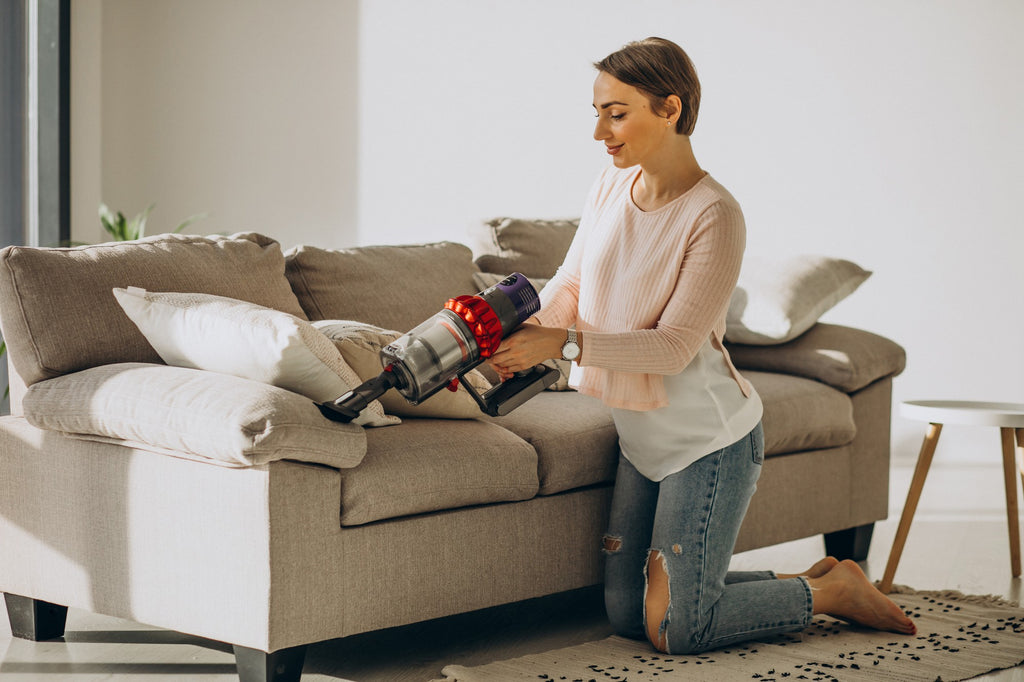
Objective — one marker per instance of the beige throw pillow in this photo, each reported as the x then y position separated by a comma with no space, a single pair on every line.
360,344
245,340
777,301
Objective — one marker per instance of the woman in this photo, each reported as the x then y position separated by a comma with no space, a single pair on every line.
647,283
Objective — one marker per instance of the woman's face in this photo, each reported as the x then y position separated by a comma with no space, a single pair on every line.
626,124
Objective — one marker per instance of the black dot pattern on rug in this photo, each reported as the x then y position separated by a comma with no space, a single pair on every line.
958,637
872,662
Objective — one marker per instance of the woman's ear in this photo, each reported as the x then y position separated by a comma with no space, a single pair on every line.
673,109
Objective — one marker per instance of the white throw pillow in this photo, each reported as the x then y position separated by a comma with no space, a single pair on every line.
777,301
219,334
360,343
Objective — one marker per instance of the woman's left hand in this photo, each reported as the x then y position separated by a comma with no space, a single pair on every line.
529,346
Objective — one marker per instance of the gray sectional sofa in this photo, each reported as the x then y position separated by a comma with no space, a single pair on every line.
229,509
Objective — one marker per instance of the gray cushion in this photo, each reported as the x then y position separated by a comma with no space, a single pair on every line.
394,287
59,316
533,247
425,465
574,435
801,414
843,357
577,444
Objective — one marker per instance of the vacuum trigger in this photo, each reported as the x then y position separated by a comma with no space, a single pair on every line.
453,385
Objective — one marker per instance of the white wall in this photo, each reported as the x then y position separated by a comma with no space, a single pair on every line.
886,133
883,132
244,110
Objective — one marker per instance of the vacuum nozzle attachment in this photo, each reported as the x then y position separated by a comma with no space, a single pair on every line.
348,406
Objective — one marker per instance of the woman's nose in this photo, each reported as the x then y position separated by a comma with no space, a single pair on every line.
601,130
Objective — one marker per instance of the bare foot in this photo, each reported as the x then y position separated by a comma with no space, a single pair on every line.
845,592
819,569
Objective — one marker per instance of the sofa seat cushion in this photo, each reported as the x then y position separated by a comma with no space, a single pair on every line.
426,465
574,436
801,414
577,444
394,287
59,315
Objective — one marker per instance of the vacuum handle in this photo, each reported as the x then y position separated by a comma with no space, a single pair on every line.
510,394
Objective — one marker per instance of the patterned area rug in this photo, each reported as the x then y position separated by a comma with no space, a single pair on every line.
958,637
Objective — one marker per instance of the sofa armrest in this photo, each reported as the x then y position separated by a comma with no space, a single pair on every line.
842,357
193,414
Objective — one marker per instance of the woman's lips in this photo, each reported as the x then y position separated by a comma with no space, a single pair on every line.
614,150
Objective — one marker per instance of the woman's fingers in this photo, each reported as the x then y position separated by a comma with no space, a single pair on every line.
502,371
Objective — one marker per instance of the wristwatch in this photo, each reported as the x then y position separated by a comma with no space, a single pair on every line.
570,349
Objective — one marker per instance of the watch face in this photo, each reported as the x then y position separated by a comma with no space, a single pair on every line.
570,351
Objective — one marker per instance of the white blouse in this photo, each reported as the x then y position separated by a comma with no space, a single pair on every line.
706,412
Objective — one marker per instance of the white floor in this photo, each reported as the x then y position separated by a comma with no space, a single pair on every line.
959,540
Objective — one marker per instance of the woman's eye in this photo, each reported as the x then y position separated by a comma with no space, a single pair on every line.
617,117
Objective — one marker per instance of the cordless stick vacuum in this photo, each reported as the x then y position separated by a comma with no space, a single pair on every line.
439,352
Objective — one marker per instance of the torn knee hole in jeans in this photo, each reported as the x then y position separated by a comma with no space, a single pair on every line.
612,544
657,598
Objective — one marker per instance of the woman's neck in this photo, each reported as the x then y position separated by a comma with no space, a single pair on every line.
667,177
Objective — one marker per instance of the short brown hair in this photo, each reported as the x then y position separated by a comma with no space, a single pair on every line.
658,68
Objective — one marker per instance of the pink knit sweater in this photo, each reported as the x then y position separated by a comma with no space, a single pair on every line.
646,288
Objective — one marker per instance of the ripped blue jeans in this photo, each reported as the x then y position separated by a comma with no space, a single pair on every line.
692,519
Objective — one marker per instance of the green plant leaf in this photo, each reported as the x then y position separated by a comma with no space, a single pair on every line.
110,221
137,227
188,221
123,230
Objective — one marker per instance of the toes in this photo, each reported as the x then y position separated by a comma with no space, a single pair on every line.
821,567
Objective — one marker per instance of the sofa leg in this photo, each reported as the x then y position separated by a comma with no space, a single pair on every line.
35,619
850,543
279,666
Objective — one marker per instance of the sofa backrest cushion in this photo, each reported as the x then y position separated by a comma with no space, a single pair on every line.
394,287
57,307
533,247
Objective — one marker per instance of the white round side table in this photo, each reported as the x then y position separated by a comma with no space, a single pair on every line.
1009,417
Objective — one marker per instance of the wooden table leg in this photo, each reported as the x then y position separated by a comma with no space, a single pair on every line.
1020,451
1010,478
924,462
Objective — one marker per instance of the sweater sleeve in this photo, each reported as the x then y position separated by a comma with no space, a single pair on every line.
696,307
